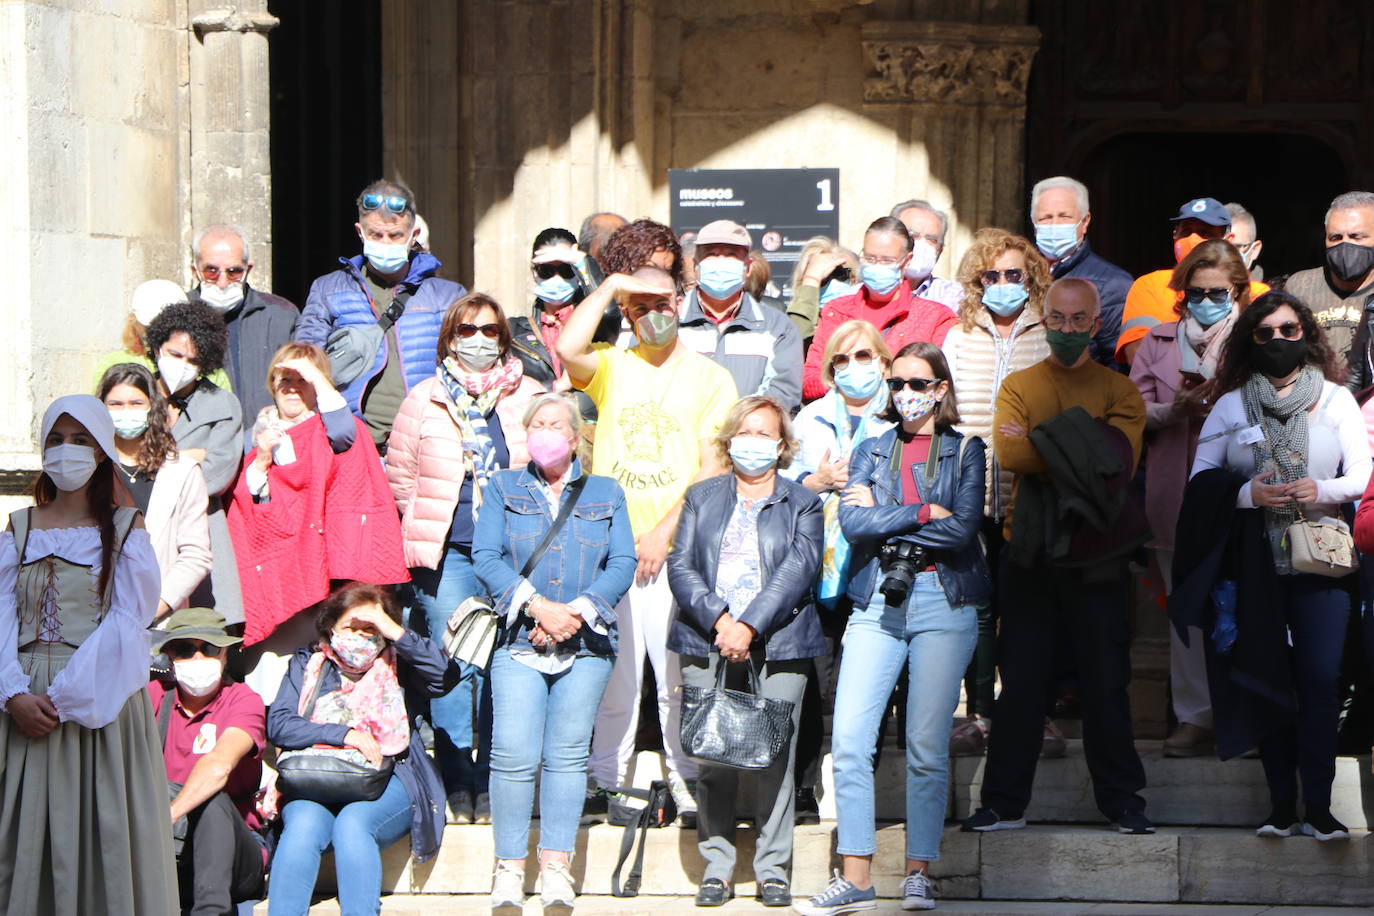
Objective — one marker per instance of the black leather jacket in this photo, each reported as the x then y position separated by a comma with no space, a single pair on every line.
791,532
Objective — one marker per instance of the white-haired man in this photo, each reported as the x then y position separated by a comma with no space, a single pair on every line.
928,227
1339,293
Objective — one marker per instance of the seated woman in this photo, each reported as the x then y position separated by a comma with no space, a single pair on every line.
166,488
825,270
313,471
553,661
367,672
743,566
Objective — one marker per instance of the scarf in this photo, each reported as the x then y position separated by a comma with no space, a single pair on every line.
270,418
374,703
835,550
1199,348
551,325
1283,450
474,395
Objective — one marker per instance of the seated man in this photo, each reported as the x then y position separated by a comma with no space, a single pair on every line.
213,734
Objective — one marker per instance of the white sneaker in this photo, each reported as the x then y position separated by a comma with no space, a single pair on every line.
683,798
507,886
556,885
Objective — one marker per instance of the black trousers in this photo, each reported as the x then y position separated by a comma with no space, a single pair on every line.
221,863
1043,606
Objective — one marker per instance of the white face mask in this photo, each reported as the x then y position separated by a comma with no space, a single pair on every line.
198,676
176,373
221,299
69,466
478,352
922,261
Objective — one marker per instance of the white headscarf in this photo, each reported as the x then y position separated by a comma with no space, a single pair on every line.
90,412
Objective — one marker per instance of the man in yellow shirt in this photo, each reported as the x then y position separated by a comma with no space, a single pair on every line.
659,406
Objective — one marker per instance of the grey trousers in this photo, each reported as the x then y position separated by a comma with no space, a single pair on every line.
766,794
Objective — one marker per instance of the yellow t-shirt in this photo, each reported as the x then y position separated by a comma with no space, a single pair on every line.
650,423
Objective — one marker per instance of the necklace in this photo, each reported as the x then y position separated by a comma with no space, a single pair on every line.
132,475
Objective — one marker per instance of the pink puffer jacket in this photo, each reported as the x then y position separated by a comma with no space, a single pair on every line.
424,463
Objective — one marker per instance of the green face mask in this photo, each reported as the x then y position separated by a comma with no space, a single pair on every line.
1067,346
656,329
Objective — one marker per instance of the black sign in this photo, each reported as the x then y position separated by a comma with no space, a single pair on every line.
781,208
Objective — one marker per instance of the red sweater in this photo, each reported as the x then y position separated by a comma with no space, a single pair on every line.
327,517
901,320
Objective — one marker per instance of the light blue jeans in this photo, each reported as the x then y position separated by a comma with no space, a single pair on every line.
935,641
541,718
358,832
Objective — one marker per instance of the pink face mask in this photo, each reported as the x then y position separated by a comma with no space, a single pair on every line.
548,447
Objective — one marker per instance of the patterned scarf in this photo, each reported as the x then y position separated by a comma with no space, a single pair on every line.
374,703
475,394
1199,348
1283,450
835,553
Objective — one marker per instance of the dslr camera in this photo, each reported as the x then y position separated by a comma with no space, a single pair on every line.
900,561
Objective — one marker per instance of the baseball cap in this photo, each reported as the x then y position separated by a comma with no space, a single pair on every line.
1204,209
724,232
151,297
201,623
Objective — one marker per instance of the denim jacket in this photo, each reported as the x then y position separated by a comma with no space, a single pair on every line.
592,558
953,542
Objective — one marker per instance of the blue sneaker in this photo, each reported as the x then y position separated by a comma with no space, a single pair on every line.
839,896
917,893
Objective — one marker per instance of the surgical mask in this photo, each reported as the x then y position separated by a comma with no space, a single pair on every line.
720,276
356,650
130,423
1183,246
912,405
835,289
548,447
881,279
1005,299
656,329
69,466
1279,356
859,380
1207,312
176,373
221,299
1349,262
1056,240
198,676
556,290
922,263
478,352
384,258
1068,346
753,455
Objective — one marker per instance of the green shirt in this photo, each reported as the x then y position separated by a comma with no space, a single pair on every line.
383,395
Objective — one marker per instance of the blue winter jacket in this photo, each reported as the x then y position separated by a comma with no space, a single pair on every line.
953,543
340,300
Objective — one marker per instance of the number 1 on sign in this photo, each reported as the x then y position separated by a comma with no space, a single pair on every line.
825,204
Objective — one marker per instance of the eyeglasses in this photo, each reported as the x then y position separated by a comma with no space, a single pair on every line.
875,260
490,330
1010,275
393,203
1196,294
915,384
185,648
1289,330
549,271
1080,322
840,360
211,272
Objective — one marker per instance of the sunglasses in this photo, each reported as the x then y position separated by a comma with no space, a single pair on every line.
183,649
895,385
391,202
211,272
549,271
840,360
490,330
1196,294
1010,275
1289,330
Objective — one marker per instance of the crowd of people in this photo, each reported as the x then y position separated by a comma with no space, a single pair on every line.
884,492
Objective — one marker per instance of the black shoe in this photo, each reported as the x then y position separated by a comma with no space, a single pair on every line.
986,819
594,807
713,892
808,811
1134,822
775,892
1281,822
1321,825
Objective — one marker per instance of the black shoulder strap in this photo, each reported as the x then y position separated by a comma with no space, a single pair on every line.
393,311
627,842
573,491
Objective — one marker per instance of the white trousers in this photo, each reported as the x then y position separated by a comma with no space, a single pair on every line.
1187,664
644,617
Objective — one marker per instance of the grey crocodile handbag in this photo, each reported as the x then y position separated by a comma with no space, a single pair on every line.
732,728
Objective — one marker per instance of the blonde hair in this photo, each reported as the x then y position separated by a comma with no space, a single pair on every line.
989,244
296,350
840,339
820,244
734,419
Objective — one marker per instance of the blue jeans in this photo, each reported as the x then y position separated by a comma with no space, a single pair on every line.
541,718
437,593
358,832
935,641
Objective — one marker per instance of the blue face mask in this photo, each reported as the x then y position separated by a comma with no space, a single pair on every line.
859,380
1005,299
753,455
1208,312
384,258
555,290
881,279
720,276
835,289
1056,241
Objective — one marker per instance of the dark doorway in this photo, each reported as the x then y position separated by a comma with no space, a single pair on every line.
1138,181
326,72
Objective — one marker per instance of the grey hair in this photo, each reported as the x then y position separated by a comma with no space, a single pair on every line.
1062,181
220,229
1350,200
1242,215
588,232
554,397
925,205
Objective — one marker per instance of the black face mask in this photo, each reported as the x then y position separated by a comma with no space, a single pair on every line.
1349,262
1279,357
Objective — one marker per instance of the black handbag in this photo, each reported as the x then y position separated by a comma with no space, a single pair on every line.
732,728
659,811
331,776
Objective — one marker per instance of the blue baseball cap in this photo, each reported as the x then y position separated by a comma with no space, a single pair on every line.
1204,209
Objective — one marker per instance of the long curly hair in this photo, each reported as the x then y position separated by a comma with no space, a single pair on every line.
204,325
631,246
1236,365
989,244
157,446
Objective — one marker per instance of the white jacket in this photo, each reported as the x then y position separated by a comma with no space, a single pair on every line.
179,529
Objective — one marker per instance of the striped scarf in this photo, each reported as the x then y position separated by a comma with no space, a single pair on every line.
475,394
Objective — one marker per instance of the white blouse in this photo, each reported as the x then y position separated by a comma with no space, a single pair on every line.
112,664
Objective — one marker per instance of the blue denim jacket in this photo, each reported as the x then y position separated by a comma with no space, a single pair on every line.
593,557
953,542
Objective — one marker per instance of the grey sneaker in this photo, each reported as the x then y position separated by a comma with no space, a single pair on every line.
917,893
556,885
507,887
839,896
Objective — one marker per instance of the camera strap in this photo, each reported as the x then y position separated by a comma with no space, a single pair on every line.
932,462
